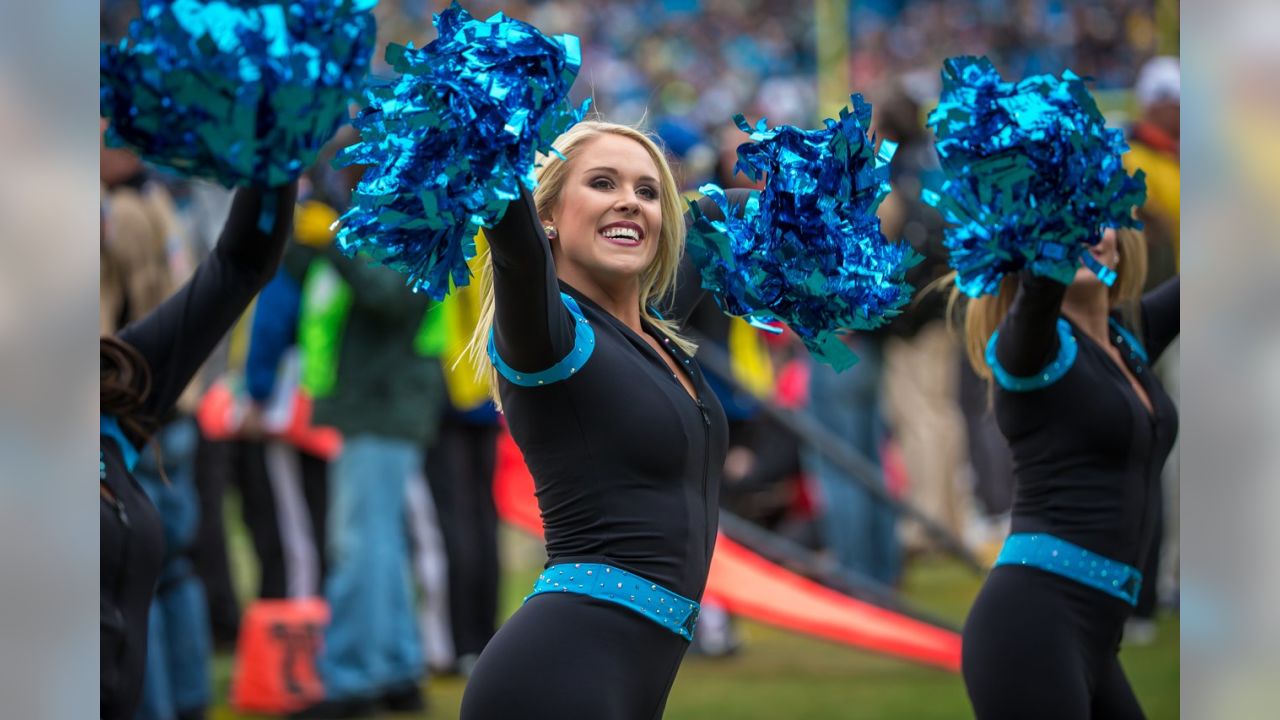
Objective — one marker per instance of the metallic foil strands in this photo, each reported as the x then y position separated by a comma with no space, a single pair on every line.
1033,175
808,249
241,93
450,141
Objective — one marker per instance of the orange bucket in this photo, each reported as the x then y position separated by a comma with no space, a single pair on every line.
275,667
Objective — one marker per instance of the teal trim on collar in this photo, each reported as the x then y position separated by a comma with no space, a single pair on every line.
1129,338
111,428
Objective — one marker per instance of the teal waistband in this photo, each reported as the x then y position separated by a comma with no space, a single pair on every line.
1055,555
606,582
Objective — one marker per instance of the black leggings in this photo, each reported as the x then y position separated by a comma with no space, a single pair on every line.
1041,646
566,656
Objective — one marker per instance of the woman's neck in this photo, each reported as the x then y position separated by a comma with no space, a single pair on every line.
1088,305
621,300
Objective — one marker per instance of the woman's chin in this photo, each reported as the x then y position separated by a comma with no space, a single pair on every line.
617,267
1085,278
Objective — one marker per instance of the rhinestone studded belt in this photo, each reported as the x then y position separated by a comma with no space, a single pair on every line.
670,610
1073,562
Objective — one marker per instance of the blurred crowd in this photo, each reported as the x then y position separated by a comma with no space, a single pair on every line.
684,67
681,68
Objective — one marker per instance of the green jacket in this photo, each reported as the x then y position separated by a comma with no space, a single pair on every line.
370,349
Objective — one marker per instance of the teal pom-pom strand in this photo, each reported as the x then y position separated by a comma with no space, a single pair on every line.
238,92
1033,175
807,250
450,141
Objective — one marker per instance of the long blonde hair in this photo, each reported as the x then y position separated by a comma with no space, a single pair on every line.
657,281
983,315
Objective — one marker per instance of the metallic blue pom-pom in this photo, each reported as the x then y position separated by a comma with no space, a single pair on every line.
1033,175
242,93
807,250
450,141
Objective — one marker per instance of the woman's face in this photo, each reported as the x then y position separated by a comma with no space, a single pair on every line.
608,216
1107,252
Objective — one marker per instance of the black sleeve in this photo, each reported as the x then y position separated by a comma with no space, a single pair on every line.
1029,333
689,291
177,337
1161,320
532,328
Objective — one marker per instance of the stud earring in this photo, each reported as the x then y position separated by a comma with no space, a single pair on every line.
550,230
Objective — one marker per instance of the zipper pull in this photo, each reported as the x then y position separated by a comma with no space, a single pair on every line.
706,419
120,512
110,496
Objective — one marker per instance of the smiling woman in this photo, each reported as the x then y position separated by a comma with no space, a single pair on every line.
617,425
606,221
613,179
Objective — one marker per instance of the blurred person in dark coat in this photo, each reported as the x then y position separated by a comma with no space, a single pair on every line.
384,392
920,354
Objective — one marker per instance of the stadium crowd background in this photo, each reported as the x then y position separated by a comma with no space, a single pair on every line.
688,61
683,67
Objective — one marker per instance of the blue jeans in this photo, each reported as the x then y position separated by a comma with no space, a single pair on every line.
372,640
859,529
179,645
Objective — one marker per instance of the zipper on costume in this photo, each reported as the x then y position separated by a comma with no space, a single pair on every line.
121,513
706,463
118,591
706,440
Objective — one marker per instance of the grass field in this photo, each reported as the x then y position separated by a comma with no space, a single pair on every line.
780,675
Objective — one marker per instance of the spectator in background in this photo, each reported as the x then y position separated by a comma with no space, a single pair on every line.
145,255
239,462
1153,148
460,471
380,385
860,530
765,487
990,464
203,207
920,352
297,475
